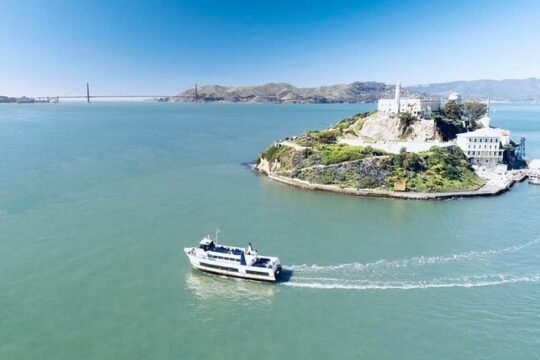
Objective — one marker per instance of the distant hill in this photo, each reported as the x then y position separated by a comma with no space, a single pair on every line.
505,90
286,93
6,99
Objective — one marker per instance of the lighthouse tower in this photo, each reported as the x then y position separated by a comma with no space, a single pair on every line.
397,97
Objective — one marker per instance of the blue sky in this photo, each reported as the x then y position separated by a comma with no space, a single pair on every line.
163,47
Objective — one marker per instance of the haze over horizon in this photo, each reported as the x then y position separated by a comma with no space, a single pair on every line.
163,48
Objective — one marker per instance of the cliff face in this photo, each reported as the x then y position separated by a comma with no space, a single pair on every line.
286,93
382,126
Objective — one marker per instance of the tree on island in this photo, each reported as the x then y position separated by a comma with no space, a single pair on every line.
471,110
475,110
454,110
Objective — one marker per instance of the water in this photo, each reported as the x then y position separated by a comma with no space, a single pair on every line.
97,201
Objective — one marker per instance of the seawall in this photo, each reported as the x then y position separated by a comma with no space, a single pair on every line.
485,190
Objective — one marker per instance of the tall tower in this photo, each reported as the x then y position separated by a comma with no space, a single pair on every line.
397,98
88,93
196,94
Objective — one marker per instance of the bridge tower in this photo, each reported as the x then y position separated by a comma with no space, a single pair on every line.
88,93
196,94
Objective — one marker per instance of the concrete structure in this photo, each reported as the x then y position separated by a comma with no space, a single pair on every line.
414,106
455,96
484,147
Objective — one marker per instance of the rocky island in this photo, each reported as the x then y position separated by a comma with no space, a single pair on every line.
406,154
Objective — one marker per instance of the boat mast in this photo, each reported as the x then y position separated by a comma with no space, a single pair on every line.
217,233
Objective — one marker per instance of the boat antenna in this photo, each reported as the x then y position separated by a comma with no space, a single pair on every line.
217,233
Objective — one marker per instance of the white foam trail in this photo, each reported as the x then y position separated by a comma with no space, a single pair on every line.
464,282
416,261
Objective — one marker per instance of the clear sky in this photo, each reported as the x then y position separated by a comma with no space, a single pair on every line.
163,47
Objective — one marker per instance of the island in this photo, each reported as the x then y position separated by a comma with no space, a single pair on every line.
407,148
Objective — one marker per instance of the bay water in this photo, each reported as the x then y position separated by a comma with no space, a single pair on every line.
98,200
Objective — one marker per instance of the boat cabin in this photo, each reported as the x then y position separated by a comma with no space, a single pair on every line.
247,256
207,244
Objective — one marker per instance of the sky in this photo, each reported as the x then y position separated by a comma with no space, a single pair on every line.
54,47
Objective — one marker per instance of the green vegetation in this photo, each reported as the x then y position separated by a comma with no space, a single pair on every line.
458,118
447,128
405,121
439,169
274,152
324,136
314,137
475,110
336,153
453,110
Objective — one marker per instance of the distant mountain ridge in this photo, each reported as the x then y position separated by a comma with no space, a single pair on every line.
358,92
503,90
286,93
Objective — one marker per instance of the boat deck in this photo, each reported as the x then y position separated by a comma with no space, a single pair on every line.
227,250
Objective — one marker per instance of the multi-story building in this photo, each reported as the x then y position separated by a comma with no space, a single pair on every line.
484,147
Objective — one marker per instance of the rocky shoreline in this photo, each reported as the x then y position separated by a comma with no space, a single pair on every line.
488,189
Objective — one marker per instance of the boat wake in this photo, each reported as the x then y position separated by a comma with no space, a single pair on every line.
418,261
463,270
463,282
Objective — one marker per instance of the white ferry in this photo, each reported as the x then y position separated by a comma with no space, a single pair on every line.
232,261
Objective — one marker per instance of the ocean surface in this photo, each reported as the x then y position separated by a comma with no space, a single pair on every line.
98,200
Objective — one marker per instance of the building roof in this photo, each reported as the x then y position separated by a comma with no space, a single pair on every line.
486,132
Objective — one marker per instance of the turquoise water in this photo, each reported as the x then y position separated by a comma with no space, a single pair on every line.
97,202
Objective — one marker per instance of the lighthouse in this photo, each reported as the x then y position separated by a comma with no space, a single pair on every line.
397,97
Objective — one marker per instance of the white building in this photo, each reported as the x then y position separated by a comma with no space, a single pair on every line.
484,147
454,96
413,106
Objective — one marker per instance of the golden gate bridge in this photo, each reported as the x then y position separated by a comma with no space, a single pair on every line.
88,96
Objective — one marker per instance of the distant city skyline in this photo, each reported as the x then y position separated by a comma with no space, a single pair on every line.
133,47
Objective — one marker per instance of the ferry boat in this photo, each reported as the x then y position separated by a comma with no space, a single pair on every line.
233,261
534,178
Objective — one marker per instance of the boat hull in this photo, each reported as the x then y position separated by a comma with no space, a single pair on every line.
233,270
